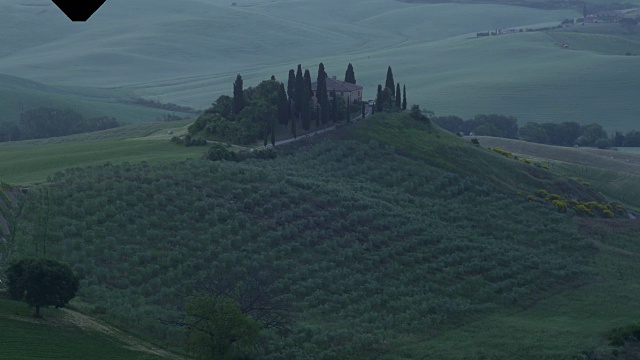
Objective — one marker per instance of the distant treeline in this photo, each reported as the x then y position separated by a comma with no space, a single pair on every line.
46,122
561,134
158,105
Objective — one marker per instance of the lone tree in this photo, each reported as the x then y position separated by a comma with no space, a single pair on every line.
41,283
350,76
390,84
238,95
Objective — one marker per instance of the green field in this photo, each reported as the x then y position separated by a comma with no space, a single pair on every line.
55,336
35,160
179,56
605,39
18,95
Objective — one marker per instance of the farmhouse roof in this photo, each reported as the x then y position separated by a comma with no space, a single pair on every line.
334,84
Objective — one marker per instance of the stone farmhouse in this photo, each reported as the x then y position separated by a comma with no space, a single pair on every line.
346,90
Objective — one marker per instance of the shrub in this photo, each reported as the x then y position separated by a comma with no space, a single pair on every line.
218,152
581,209
561,205
620,335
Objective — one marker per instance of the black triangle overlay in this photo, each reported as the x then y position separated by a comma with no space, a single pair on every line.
79,10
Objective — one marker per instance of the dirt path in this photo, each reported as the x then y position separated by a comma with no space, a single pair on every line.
86,322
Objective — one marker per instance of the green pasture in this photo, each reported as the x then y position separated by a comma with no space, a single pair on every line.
35,160
53,337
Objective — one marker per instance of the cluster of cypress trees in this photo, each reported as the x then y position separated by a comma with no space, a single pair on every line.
391,94
294,102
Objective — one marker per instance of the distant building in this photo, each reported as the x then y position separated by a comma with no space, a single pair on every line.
344,89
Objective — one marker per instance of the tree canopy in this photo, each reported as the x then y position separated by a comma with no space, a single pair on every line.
218,329
41,283
45,122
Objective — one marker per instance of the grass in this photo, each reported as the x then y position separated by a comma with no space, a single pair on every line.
630,150
34,160
53,337
18,95
614,173
178,56
606,39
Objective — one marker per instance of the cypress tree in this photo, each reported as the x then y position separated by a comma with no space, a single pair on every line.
238,95
291,84
273,132
307,82
266,132
321,94
404,97
299,97
283,106
305,112
350,76
306,106
390,84
379,98
335,107
398,100
293,117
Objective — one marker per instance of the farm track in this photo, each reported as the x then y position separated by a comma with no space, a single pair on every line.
87,323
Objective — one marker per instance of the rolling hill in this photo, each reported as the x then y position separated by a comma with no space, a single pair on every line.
189,52
402,238
19,94
65,334
615,173
34,160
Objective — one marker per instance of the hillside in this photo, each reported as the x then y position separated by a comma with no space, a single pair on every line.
34,160
18,95
614,173
386,233
65,334
184,52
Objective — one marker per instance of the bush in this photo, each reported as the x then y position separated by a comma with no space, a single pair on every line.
618,336
218,152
